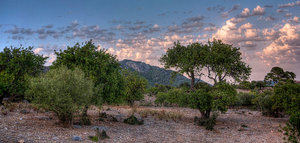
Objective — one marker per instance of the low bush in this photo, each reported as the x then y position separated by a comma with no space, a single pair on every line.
132,120
264,102
206,100
244,99
172,97
62,91
208,123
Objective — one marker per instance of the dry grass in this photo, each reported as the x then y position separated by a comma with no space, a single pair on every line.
160,114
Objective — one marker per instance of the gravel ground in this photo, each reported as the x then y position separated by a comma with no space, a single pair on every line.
42,127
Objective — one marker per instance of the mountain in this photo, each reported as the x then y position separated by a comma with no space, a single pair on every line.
153,74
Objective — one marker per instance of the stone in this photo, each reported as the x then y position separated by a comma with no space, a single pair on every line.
99,128
76,138
24,111
77,126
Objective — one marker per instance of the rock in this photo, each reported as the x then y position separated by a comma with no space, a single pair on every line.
21,141
76,138
55,138
43,117
25,101
24,111
99,128
120,118
77,126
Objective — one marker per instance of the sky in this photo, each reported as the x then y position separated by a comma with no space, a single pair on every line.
267,32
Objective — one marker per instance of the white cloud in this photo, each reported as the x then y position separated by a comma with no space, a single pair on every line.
38,50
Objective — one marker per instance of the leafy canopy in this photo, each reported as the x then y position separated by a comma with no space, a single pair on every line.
135,87
62,91
100,66
225,61
16,64
186,59
277,74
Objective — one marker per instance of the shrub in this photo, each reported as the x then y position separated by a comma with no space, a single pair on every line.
134,87
263,101
244,99
132,120
62,91
209,123
158,88
172,97
205,100
16,64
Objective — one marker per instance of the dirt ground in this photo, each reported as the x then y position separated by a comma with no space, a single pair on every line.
37,126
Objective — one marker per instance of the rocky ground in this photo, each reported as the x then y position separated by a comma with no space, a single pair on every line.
241,125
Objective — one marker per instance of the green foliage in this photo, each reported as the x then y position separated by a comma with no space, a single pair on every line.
173,96
99,66
224,60
135,87
277,74
244,99
264,102
94,138
186,59
62,91
216,98
158,88
16,64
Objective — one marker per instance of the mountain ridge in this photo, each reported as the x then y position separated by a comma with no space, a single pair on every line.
154,74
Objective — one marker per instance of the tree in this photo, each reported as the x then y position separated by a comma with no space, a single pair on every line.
16,64
62,91
277,74
186,59
225,61
98,65
135,87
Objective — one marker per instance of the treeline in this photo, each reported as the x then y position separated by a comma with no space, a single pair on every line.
82,76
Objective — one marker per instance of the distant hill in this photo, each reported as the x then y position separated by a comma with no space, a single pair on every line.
153,74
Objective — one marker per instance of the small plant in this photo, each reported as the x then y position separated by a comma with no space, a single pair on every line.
132,120
102,135
94,138
208,123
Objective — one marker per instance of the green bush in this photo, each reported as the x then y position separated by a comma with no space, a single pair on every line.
16,65
244,99
158,88
135,87
172,97
62,91
206,100
264,102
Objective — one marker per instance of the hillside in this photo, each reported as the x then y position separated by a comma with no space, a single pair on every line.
153,74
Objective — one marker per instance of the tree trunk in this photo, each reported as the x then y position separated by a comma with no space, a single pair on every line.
192,80
205,114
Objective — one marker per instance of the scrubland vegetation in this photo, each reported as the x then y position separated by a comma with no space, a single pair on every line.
83,77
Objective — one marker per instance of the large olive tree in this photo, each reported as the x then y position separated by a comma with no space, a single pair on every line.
225,61
186,59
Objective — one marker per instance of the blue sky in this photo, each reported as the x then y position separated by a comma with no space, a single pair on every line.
266,31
